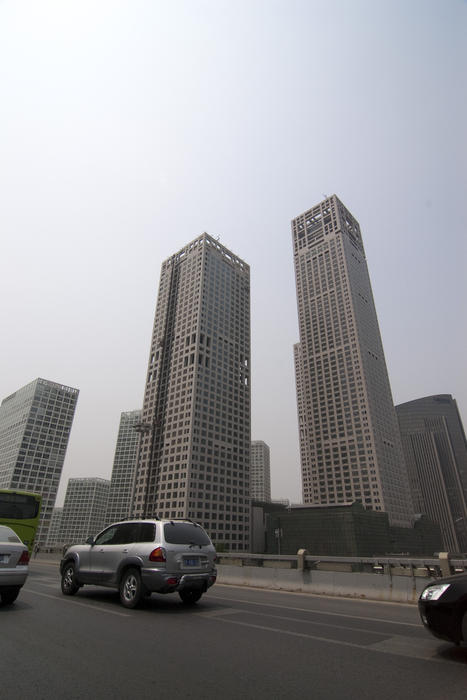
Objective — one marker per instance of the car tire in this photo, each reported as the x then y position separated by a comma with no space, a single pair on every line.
9,595
131,588
190,597
69,584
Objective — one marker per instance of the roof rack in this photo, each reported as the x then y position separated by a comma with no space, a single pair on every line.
153,517
185,520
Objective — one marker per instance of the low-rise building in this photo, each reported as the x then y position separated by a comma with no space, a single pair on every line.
342,530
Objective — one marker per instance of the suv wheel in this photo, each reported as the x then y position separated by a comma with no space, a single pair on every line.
131,588
69,583
190,597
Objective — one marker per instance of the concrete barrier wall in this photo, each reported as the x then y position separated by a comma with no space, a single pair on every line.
382,587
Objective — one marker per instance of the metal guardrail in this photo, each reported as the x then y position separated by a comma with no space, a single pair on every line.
434,567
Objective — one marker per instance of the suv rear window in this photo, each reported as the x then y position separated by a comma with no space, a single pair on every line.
185,533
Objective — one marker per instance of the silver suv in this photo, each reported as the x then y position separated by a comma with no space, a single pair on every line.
140,557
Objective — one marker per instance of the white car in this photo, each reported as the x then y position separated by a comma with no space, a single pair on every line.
14,561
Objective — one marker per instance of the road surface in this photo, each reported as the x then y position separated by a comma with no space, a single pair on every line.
236,643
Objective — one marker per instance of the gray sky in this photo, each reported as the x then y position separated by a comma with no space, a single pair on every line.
127,128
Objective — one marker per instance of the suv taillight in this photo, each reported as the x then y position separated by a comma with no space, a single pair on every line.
157,554
24,559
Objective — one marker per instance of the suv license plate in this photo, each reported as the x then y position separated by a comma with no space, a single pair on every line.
4,558
191,562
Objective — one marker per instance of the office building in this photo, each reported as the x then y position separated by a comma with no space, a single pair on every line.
260,476
84,509
123,472
195,451
435,449
35,424
53,534
350,446
342,530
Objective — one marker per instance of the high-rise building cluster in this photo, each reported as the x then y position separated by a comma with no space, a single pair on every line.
188,452
353,444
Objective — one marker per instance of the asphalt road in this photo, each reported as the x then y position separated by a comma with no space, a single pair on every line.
236,643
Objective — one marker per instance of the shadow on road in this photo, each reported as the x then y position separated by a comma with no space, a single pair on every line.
450,652
158,604
15,607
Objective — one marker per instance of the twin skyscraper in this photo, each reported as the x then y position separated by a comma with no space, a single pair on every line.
195,444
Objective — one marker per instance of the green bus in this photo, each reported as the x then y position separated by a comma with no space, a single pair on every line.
20,510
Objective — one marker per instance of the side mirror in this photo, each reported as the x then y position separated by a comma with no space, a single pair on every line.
90,540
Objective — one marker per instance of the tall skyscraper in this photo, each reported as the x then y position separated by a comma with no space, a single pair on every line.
123,472
260,475
435,449
35,424
350,445
84,509
195,451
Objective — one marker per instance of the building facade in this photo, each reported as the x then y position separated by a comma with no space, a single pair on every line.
124,466
195,450
350,445
35,425
84,509
53,534
435,448
260,474
347,530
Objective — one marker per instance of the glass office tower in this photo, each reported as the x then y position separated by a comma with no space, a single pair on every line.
124,466
84,509
35,425
350,445
260,473
195,449
435,449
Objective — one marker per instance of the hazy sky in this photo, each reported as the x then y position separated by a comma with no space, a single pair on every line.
127,128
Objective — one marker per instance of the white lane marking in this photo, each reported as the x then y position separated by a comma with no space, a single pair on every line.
318,612
413,648
319,624
77,602
221,612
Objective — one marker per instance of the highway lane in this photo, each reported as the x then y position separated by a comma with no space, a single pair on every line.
236,643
